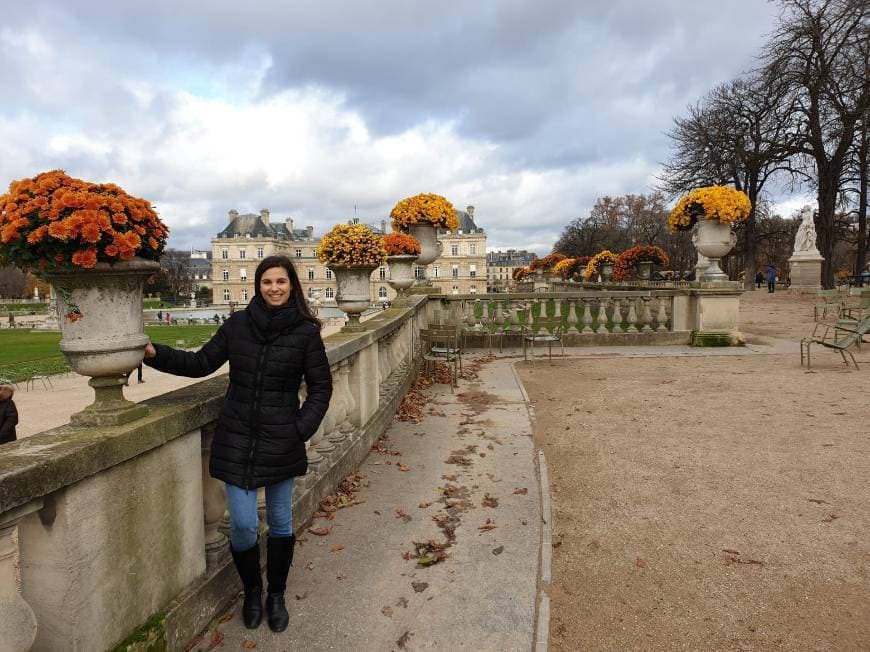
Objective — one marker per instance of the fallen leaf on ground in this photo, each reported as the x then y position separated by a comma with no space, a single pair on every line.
301,596
498,551
387,611
424,505
730,551
402,602
521,490
228,616
402,514
403,640
403,467
419,587
489,525
640,563
489,501
248,645
320,531
336,547
217,637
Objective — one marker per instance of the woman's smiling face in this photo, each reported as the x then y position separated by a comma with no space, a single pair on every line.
275,286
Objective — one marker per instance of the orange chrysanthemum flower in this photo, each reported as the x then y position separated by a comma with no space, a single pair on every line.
86,258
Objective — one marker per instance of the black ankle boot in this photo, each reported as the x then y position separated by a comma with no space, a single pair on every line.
248,567
279,558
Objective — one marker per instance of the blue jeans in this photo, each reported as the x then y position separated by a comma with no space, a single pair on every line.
244,522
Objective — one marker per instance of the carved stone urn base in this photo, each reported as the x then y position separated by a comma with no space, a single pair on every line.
109,408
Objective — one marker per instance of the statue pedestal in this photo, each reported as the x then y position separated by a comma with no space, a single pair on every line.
805,272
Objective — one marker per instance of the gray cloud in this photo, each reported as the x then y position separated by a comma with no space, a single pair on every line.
529,110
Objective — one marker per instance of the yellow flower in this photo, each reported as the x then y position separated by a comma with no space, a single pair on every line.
711,203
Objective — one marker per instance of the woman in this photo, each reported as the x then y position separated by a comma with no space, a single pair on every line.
8,415
261,432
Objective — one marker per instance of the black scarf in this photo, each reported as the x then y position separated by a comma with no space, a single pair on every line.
268,322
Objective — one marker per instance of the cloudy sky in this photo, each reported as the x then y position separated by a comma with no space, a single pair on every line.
527,109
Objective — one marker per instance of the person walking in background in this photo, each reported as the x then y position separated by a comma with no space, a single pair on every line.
771,278
261,432
759,279
8,415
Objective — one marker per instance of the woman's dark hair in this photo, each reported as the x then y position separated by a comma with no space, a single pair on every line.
296,295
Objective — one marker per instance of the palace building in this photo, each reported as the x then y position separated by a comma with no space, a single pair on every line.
248,238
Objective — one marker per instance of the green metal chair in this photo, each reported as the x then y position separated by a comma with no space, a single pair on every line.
843,344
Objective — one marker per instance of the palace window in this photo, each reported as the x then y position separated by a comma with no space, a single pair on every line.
244,294
225,274
472,271
436,271
243,274
418,272
225,254
241,254
260,252
226,295
328,274
454,250
330,293
472,248
298,253
382,273
454,271
382,292
455,289
310,273
472,289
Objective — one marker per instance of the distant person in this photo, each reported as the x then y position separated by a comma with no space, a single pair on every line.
8,415
167,318
272,345
771,278
159,315
217,319
759,279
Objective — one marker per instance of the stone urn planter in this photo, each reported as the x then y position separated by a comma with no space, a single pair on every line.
430,247
401,274
353,293
714,240
606,272
644,270
102,333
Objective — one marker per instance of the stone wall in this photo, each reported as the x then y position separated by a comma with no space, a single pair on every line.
117,532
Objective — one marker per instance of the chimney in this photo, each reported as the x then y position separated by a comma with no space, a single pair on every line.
309,232
384,227
289,223
470,211
233,214
264,215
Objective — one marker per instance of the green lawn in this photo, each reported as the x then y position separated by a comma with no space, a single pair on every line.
22,307
28,353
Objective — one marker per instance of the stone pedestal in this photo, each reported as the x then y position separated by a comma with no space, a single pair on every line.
805,272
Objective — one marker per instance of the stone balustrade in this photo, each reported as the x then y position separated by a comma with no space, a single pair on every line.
118,533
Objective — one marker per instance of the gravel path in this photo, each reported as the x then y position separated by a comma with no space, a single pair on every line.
709,503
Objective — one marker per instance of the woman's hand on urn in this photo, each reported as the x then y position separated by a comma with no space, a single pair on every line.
150,351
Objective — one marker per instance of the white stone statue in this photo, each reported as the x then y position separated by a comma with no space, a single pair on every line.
805,241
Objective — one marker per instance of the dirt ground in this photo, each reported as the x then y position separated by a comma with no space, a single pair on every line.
709,503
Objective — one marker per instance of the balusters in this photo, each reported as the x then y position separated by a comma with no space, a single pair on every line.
646,315
617,316
662,316
18,624
631,319
214,502
586,317
572,316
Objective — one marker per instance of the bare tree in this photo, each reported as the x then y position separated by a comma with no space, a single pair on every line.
739,135
819,53
13,282
176,272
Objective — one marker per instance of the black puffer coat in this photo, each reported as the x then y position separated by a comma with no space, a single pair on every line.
260,434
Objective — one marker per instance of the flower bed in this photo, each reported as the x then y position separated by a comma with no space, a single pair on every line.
54,222
721,203
428,209
401,244
351,245
593,267
626,262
